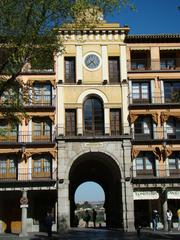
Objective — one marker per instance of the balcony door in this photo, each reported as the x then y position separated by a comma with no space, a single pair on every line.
41,166
41,129
42,94
93,116
173,128
145,164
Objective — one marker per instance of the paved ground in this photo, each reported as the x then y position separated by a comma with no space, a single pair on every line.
98,234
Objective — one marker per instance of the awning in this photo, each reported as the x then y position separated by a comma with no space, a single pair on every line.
170,48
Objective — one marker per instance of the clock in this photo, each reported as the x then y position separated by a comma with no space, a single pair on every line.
92,61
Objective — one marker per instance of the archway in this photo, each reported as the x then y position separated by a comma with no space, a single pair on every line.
102,169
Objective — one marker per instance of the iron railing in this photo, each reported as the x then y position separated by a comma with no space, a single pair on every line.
27,136
105,131
147,64
149,134
137,99
28,174
156,173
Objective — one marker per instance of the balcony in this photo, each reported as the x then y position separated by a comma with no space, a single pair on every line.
164,64
27,137
31,174
42,101
161,134
136,100
106,132
155,174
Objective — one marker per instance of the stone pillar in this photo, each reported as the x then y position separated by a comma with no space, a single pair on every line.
127,189
79,121
79,63
63,211
60,110
63,205
105,75
165,207
24,207
124,89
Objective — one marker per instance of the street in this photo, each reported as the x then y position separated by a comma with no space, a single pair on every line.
97,234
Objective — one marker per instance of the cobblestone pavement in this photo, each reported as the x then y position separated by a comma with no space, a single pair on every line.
97,234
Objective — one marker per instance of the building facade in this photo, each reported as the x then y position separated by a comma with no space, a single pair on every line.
108,112
154,114
93,137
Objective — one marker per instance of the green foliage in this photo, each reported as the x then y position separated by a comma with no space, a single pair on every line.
29,33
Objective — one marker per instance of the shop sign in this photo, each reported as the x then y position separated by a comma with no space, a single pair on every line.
145,195
173,195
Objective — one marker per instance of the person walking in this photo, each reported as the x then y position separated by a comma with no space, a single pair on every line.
94,214
178,215
169,219
48,224
155,219
87,218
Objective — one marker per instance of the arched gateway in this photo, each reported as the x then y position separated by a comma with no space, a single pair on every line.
105,162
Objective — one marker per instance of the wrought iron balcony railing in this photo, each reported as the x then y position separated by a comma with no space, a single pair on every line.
107,130
28,174
140,134
27,136
143,99
147,64
155,173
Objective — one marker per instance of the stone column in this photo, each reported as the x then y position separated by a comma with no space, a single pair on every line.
63,205
24,207
107,120
79,121
124,89
79,62
105,75
127,189
63,211
60,110
165,207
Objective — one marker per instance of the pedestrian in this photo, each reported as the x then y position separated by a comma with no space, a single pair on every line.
155,219
169,219
94,214
87,218
48,224
178,215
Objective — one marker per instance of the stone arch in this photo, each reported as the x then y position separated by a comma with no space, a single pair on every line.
104,170
92,91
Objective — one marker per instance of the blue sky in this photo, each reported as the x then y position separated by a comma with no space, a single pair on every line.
89,191
150,17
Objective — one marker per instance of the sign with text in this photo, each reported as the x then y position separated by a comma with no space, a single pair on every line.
145,195
173,194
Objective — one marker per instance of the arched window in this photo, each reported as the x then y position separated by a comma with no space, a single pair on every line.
93,117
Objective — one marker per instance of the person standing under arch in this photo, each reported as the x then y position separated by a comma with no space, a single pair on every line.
94,214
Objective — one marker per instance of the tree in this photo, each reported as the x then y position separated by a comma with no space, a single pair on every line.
29,33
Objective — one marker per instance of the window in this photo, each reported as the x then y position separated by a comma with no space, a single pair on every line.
8,132
93,116
70,122
143,128
42,94
70,72
174,163
115,121
145,164
41,129
172,92
7,167
41,166
173,128
167,59
140,92
114,70
140,59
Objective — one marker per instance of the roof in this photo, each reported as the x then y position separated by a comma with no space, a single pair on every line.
147,38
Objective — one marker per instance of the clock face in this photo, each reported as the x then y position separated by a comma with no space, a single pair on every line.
92,61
